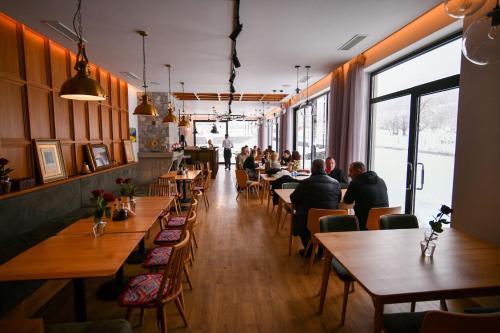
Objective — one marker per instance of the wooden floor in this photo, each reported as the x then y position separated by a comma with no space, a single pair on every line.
244,280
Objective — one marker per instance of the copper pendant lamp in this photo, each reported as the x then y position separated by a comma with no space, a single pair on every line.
184,121
81,86
170,117
145,108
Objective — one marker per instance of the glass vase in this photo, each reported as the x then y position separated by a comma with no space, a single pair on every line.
427,248
99,226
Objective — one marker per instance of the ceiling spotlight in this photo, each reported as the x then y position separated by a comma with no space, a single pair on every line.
231,89
214,129
236,61
233,76
236,31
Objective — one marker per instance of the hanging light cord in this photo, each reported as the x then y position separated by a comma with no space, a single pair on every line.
81,55
145,86
169,91
307,83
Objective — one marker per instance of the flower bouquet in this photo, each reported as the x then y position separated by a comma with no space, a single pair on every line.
428,245
101,200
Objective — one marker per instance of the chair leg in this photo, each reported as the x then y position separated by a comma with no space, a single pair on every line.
284,219
161,318
141,320
129,314
344,302
188,278
192,252
194,239
206,198
247,194
181,311
268,202
444,306
307,248
412,306
313,255
177,207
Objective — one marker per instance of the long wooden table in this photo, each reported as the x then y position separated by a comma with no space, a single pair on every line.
389,266
266,180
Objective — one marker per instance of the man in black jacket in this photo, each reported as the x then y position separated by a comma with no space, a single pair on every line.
317,191
366,190
336,173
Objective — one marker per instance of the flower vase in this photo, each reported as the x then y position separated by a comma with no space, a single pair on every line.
132,202
5,185
99,226
428,246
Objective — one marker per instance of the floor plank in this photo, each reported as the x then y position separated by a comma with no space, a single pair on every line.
244,280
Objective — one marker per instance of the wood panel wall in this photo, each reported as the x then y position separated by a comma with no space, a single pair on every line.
32,70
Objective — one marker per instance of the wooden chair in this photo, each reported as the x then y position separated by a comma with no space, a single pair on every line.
340,223
288,207
398,221
191,167
172,187
153,290
203,188
313,217
373,220
244,184
160,190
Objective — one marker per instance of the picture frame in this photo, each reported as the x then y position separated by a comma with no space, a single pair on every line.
98,155
129,151
50,160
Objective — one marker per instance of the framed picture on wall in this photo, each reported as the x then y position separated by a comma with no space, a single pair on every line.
129,151
50,160
99,157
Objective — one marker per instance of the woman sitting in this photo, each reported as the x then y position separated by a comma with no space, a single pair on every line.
273,162
251,166
286,158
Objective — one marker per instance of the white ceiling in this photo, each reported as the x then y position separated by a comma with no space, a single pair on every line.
192,36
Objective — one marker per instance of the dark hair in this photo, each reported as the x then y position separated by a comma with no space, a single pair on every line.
295,156
328,158
317,165
287,152
269,147
358,166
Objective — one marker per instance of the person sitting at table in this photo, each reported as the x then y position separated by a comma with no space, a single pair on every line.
335,173
269,150
282,176
318,191
367,190
295,156
241,157
251,166
286,158
273,161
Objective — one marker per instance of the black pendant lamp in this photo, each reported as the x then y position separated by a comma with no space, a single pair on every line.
145,108
81,86
214,129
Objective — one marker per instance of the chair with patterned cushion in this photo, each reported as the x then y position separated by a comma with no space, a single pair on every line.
173,235
155,290
244,184
313,217
203,188
340,223
172,191
373,219
398,221
177,222
158,257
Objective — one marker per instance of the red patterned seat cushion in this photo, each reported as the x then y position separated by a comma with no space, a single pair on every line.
176,221
165,236
158,256
142,290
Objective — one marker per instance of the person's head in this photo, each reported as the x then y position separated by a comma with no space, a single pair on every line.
259,151
226,136
243,150
330,163
274,156
295,156
247,150
253,152
318,166
254,147
269,147
356,168
286,153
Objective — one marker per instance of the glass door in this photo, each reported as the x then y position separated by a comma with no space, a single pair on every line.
437,132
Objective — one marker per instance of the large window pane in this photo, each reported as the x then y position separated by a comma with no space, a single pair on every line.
299,132
243,133
307,154
204,129
436,64
390,124
319,123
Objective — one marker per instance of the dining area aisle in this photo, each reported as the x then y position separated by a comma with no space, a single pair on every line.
243,280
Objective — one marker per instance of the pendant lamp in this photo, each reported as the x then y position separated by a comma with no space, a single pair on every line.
145,108
214,129
170,117
81,86
481,41
461,8
184,120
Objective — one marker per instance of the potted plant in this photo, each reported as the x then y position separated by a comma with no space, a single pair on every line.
428,245
102,209
127,189
5,183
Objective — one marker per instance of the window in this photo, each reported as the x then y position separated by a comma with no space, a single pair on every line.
204,129
311,130
414,107
243,133
273,128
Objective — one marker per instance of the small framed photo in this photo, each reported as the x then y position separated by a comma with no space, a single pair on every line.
50,160
129,151
98,155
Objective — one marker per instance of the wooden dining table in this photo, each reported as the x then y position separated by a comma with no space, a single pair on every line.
388,264
267,179
190,176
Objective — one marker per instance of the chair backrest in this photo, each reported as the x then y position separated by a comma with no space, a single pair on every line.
207,166
171,183
161,190
441,321
398,221
174,271
373,220
241,178
338,223
191,167
206,185
290,185
314,215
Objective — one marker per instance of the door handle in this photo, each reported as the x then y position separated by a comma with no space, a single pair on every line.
422,176
409,176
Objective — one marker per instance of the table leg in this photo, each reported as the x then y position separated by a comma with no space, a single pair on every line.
79,300
137,257
378,315
110,290
324,281
280,209
184,198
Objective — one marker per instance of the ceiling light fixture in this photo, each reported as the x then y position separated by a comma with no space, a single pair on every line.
481,41
236,61
81,86
214,129
462,8
297,90
145,108
236,31
170,117
184,120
